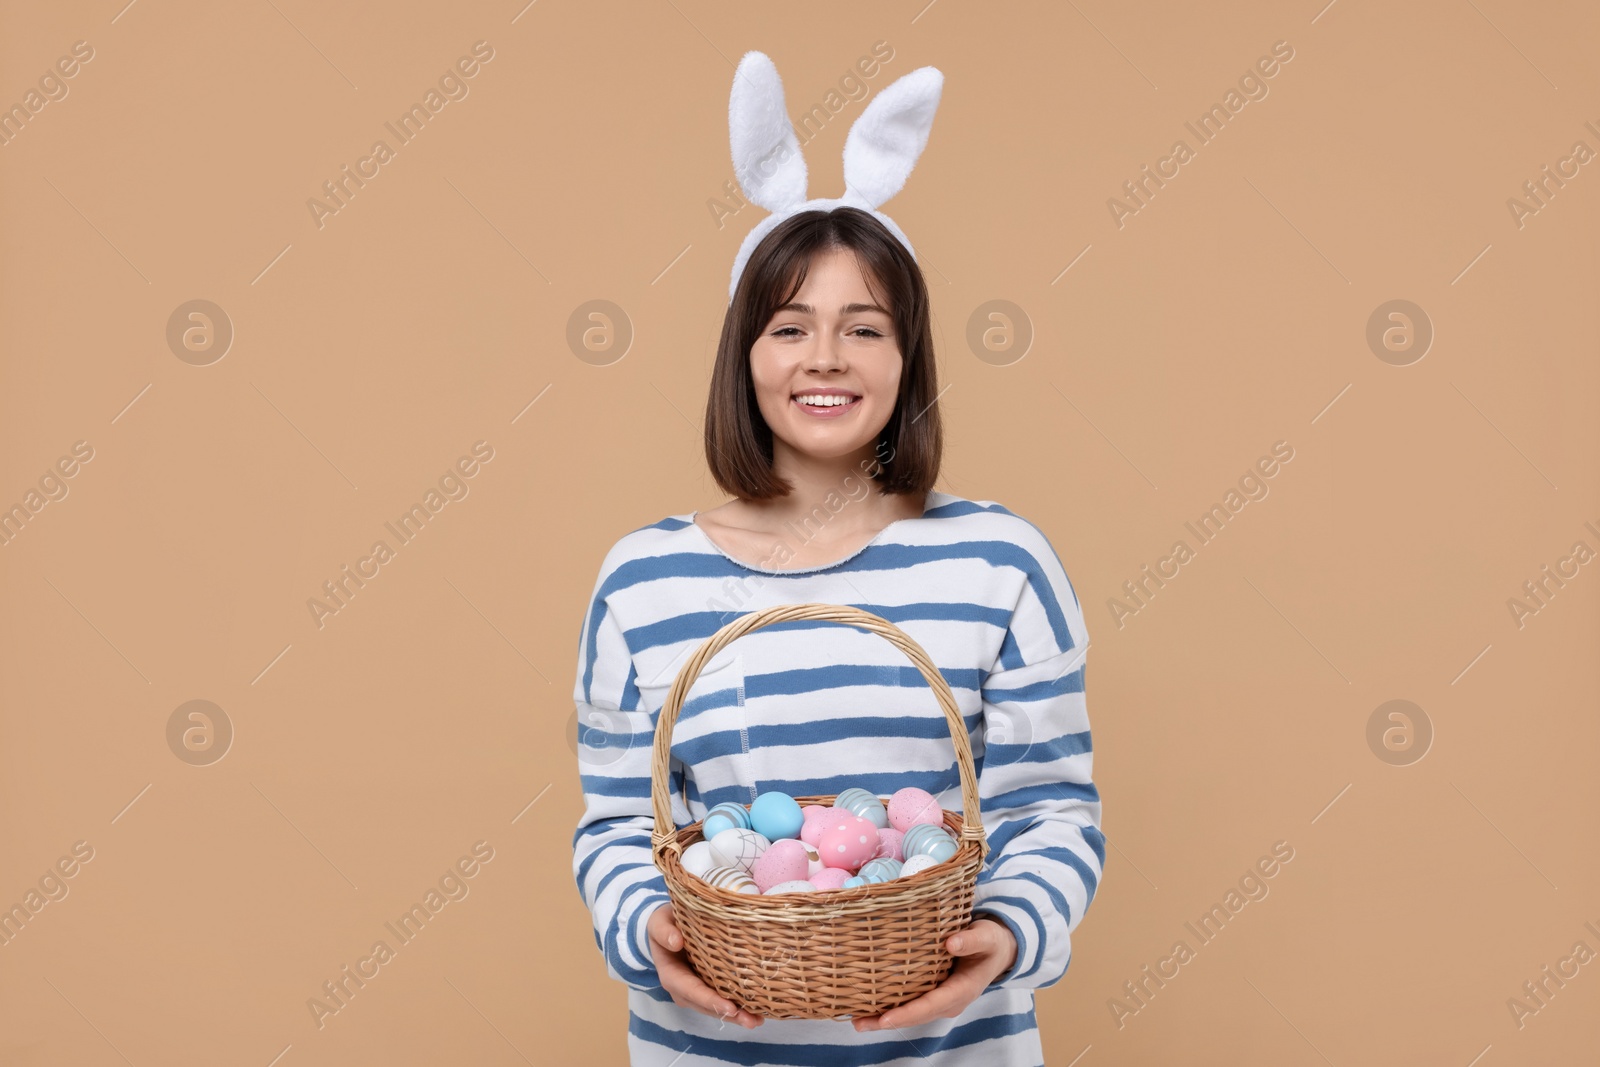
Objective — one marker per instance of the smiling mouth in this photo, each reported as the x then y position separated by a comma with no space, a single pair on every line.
825,404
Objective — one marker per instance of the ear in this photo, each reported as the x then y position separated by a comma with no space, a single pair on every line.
766,155
886,140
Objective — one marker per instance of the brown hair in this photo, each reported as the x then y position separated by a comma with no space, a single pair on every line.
738,440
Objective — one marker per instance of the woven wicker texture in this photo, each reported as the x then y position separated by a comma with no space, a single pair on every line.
834,953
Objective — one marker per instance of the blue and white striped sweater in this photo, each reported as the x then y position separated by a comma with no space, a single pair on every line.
813,707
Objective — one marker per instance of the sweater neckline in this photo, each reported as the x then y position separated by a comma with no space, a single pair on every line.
927,506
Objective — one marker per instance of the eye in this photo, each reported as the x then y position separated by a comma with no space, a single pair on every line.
784,330
870,332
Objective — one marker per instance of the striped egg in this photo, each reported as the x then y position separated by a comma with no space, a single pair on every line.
862,803
853,881
879,870
917,864
732,879
725,816
739,848
925,839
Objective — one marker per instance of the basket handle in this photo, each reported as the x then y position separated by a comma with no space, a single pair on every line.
665,834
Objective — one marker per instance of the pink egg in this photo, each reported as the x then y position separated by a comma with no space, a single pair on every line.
830,878
848,843
811,831
889,844
783,861
911,806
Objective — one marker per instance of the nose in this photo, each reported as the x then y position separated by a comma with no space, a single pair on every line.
826,354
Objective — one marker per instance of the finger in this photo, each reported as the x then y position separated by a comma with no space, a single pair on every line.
691,991
954,994
972,941
664,931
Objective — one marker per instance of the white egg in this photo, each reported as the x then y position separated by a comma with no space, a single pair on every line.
739,848
699,858
917,863
798,885
731,878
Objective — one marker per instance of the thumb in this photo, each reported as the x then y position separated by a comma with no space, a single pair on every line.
968,942
667,931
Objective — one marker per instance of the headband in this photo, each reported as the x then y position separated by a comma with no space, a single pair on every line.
882,147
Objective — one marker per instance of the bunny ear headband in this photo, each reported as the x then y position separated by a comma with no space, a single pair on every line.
882,147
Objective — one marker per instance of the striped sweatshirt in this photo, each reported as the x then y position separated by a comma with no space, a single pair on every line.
811,707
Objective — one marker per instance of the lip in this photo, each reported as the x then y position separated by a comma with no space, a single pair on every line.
833,412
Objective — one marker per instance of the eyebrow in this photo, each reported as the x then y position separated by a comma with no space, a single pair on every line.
848,309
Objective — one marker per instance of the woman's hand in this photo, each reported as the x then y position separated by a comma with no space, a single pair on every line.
679,979
984,951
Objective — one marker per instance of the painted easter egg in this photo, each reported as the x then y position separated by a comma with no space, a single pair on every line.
917,864
775,815
911,806
889,844
699,858
732,879
725,816
880,870
928,840
865,804
799,885
830,878
739,848
811,832
853,881
848,843
785,860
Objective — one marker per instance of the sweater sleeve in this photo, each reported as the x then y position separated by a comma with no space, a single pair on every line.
1046,848
611,858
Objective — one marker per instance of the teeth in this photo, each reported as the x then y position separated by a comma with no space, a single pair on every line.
824,401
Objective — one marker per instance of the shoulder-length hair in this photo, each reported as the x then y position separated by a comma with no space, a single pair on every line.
738,439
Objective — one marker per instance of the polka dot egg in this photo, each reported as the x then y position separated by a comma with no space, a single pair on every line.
848,842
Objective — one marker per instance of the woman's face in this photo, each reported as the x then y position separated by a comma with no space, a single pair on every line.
832,338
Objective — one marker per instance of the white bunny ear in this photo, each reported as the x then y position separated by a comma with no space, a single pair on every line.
766,155
886,140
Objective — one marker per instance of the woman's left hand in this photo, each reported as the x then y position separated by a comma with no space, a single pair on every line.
984,951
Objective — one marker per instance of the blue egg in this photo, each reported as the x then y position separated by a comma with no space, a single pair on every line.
725,816
881,869
925,839
776,815
858,801
853,881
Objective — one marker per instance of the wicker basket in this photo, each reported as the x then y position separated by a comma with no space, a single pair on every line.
833,953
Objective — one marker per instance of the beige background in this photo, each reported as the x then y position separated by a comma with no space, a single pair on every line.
368,355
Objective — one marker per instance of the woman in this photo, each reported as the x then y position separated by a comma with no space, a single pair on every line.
822,424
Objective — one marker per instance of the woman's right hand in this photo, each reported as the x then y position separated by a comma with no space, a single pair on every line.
679,979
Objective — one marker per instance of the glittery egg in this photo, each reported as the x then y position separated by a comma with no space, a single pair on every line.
911,806
862,803
811,832
798,885
830,878
785,860
739,848
699,858
848,843
776,815
889,844
725,816
917,864
928,840
880,870
732,879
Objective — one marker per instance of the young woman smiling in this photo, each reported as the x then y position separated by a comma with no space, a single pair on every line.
825,369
